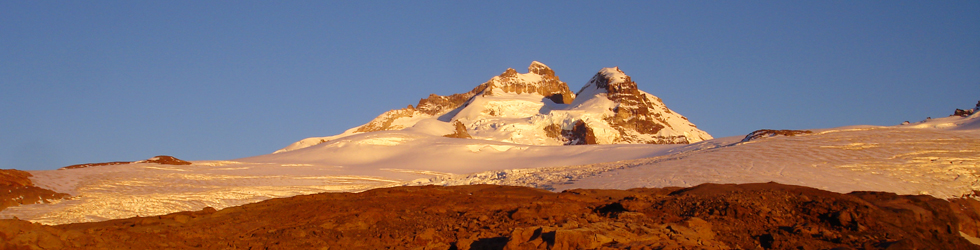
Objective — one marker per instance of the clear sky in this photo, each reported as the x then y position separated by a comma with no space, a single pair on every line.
96,81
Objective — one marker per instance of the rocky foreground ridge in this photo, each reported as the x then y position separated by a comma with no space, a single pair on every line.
537,108
708,216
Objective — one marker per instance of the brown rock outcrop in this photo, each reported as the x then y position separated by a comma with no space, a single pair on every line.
460,131
553,131
85,165
15,178
962,113
763,133
709,216
580,134
17,189
967,210
383,121
966,112
160,159
165,160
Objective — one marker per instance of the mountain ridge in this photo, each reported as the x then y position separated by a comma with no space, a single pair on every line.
537,108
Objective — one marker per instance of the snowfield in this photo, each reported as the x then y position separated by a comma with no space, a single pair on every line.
939,157
352,164
941,163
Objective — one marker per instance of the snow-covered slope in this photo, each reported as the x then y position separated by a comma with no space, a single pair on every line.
536,108
515,120
351,164
939,157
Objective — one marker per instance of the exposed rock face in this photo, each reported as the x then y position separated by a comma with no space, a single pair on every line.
967,112
555,131
580,134
763,133
541,80
85,165
967,210
709,216
165,160
543,70
17,189
436,104
160,159
963,113
460,131
635,109
15,178
638,116
383,121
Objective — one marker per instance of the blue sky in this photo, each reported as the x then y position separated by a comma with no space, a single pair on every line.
96,81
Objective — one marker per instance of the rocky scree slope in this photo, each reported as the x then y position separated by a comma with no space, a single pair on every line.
537,108
709,216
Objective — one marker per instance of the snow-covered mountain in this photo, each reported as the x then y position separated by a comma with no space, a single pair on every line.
939,157
536,108
519,123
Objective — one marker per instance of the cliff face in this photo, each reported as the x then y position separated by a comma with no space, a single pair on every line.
709,216
540,80
638,116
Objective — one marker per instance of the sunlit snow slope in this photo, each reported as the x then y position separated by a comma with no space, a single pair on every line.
939,157
514,120
353,164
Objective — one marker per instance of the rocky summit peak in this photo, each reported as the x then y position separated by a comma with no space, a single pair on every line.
510,72
540,79
540,69
638,116
606,77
